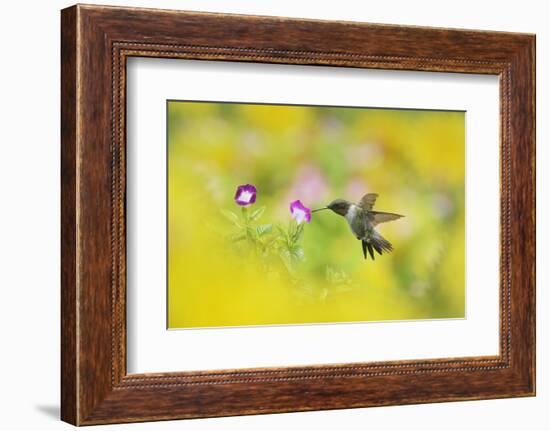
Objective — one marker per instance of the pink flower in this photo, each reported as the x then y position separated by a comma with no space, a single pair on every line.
245,195
300,212
310,183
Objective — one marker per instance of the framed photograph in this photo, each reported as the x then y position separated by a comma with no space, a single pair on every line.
264,215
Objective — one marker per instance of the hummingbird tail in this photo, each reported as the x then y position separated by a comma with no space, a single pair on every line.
380,244
367,246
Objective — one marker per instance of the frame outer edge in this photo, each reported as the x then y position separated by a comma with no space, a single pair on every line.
533,54
527,61
523,217
69,196
88,396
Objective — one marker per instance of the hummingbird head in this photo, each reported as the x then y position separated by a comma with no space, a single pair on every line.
339,206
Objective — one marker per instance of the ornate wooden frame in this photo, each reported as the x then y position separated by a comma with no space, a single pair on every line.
95,42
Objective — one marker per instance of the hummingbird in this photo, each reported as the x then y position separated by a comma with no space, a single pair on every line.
362,220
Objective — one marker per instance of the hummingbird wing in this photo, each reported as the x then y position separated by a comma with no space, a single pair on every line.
377,217
367,201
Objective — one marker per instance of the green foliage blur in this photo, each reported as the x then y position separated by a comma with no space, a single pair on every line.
414,160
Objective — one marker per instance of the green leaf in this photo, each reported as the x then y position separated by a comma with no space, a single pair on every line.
281,230
231,216
270,243
251,233
263,229
287,260
237,237
257,213
297,253
299,232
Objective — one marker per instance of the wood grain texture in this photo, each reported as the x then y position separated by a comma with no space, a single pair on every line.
69,397
96,41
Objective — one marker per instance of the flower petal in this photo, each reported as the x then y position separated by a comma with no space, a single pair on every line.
300,212
245,195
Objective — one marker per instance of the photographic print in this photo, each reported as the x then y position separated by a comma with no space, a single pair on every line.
290,214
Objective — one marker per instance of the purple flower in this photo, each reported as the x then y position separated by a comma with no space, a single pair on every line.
245,195
300,212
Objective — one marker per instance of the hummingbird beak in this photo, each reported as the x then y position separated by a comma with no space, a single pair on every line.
319,209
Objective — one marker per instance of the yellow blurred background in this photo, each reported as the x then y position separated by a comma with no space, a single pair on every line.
414,160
